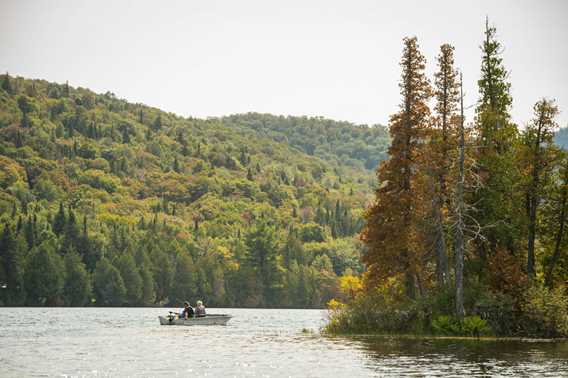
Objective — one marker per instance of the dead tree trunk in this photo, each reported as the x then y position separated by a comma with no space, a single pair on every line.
459,243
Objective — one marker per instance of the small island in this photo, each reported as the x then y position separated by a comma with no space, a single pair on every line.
466,235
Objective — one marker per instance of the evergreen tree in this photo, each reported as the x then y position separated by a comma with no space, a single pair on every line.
12,269
442,143
393,230
176,166
29,232
44,275
262,247
163,273
59,220
556,220
148,293
184,286
498,215
157,124
293,250
108,285
77,290
538,138
131,278
71,232
7,84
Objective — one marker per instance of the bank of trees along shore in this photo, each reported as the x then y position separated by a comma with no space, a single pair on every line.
467,233
105,202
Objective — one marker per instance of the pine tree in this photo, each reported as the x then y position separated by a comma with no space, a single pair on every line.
12,268
148,291
157,124
59,220
392,233
185,285
7,84
176,166
108,285
44,275
131,278
71,232
498,215
262,246
77,290
538,136
442,143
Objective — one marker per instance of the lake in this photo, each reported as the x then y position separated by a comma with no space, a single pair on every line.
121,342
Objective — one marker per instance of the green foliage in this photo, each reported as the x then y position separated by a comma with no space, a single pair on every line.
451,326
474,326
446,325
131,278
262,247
44,275
77,290
12,267
143,187
545,311
185,285
357,146
108,284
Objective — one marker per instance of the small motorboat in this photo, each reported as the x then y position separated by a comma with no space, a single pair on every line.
209,319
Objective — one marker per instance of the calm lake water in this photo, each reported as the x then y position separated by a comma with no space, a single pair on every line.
122,342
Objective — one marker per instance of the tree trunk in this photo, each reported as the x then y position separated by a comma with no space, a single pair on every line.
534,200
440,246
459,211
559,235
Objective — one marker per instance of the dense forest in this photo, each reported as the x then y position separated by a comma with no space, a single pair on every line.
467,232
343,143
106,202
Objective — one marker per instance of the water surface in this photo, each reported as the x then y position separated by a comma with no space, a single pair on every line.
121,342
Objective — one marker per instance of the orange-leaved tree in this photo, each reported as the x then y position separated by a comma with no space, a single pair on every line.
393,233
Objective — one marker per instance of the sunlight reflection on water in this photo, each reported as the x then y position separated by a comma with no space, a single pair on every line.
256,343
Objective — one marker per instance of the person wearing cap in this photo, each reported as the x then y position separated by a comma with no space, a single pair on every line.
200,309
188,311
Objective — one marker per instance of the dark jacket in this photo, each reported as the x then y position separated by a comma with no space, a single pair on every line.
189,312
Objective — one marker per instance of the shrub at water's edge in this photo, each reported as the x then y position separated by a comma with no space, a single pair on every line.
539,313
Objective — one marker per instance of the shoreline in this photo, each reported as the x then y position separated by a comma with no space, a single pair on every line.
438,337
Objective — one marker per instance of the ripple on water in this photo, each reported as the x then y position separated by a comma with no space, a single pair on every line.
130,342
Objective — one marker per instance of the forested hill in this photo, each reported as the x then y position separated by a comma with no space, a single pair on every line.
561,137
358,146
107,202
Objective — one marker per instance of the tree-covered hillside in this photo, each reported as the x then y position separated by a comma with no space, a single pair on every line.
343,143
108,202
561,137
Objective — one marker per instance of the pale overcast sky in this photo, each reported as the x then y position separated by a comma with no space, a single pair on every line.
333,58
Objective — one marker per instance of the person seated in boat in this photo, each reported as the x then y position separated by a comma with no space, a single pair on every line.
200,309
187,311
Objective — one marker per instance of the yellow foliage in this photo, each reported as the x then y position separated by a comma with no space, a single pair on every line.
335,305
350,285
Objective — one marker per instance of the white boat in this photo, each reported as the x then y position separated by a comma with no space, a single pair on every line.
209,319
